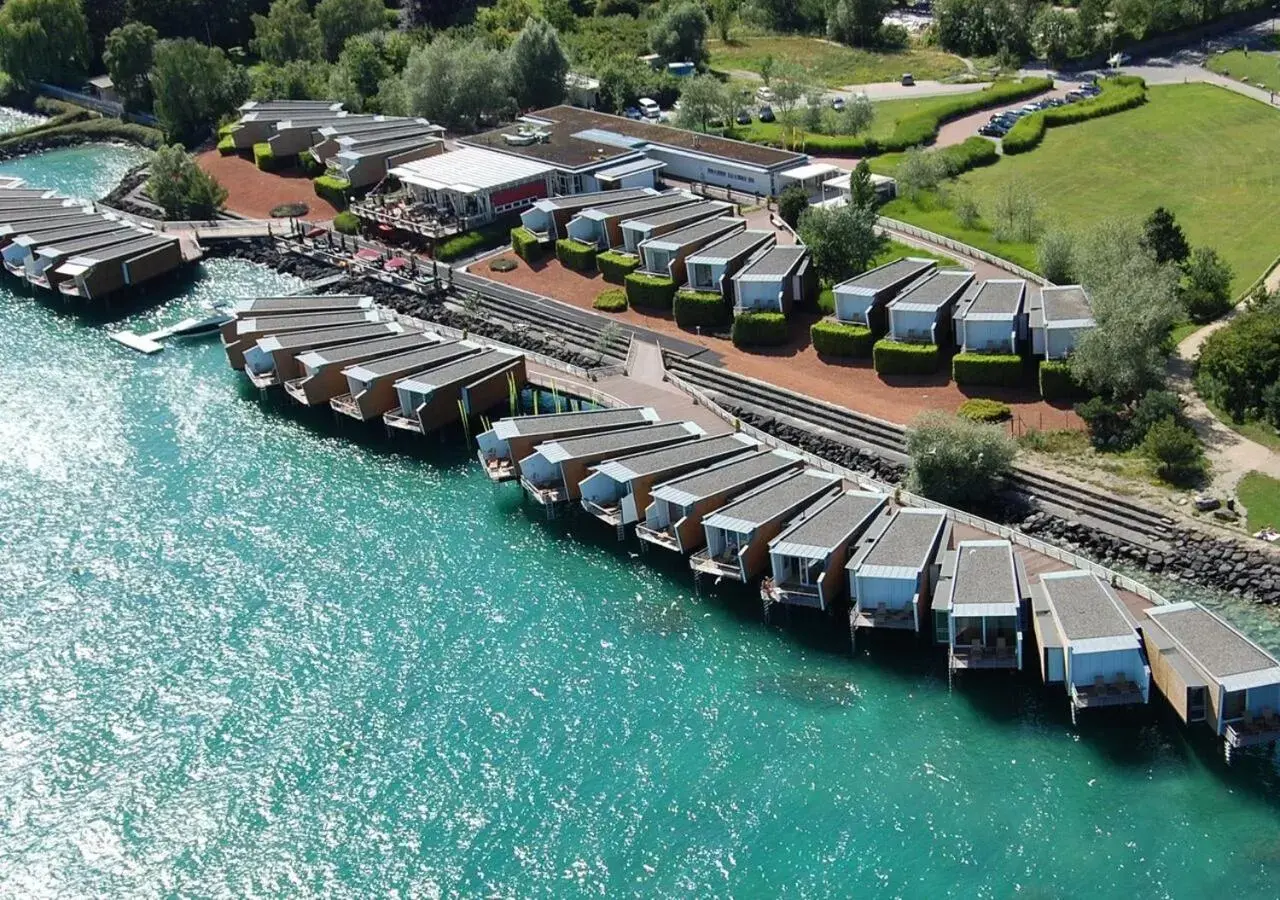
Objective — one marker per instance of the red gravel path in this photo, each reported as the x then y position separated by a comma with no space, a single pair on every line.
254,193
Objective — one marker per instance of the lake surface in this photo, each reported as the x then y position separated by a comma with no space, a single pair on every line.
246,652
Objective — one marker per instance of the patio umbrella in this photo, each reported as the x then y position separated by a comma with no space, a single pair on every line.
367,255
316,232
397,262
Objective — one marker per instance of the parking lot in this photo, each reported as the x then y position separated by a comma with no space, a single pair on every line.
999,122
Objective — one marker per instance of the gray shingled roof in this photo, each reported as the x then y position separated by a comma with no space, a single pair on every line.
1220,650
1084,608
889,274
413,361
934,291
730,247
559,423
459,371
907,540
1066,303
637,208
712,481
706,208
595,198
262,305
697,231
340,334
771,502
619,441
658,461
833,523
311,321
984,574
995,297
775,262
345,353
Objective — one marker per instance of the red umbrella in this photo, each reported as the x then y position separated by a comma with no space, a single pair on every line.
316,232
369,255
397,262
386,229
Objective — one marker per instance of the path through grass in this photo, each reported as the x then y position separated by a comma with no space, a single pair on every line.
1254,66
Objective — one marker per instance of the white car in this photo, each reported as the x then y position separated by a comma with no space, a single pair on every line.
764,94
649,108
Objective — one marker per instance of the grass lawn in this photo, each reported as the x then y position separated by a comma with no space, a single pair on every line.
1256,66
1202,151
1260,495
930,213
831,64
888,114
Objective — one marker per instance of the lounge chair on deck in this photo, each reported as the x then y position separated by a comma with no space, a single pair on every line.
1099,686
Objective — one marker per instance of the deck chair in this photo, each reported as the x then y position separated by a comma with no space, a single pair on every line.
1121,684
1099,686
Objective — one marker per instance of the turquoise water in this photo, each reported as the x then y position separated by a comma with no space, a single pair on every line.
246,652
14,119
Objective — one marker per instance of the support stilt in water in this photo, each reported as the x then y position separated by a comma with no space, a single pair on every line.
1074,720
622,532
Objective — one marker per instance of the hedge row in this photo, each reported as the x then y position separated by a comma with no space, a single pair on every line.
264,159
309,165
696,308
226,146
971,153
841,339
650,291
346,223
576,255
615,267
332,189
1056,382
526,245
897,358
492,235
994,369
981,409
759,329
612,300
1118,94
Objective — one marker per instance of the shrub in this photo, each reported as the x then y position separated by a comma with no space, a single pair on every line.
759,329
264,159
346,223
980,409
472,242
791,202
993,369
612,300
576,255
695,308
1206,293
839,339
226,145
309,165
957,461
526,245
1176,452
289,210
1108,428
1238,362
650,291
1056,382
502,264
1056,255
827,301
1118,94
615,267
972,153
332,189
897,358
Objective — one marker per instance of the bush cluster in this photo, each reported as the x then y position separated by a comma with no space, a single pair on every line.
759,329
1118,93
1239,365
615,267
332,189
576,255
226,145
1118,426
701,308
1176,452
980,409
264,159
526,245
971,153
841,339
612,300
346,223
957,461
989,369
309,165
650,291
492,235
1056,382
897,358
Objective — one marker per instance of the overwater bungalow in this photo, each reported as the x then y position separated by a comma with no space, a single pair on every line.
738,534
1087,642
43,218
295,304
712,267
894,569
862,299
991,319
602,224
371,385
673,518
272,359
552,474
440,396
638,229
981,593
550,218
617,492
775,281
665,255
321,377
807,559
240,334
922,313
46,258
512,439
103,272
20,253
1210,672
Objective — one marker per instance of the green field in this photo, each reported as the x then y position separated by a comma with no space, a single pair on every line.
832,65
1207,154
1260,495
1255,67
888,114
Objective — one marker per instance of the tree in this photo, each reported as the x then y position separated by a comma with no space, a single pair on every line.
537,66
1176,452
1056,255
561,15
223,23
194,87
680,35
103,17
43,40
341,20
704,100
855,22
814,105
956,461
966,209
1163,236
1091,17
1014,213
1054,31
1240,362
359,73
287,32
437,13
919,171
504,19
129,56
858,114
767,66
181,188
788,88
722,14
862,192
842,242
792,203
456,83
1206,293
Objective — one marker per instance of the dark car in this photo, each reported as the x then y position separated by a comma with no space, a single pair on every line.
744,117
632,113
994,129
766,114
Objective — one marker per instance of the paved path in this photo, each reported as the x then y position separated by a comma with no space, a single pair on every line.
892,90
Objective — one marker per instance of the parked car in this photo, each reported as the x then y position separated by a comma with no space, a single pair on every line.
1118,59
632,113
766,114
744,117
649,108
994,129
907,79
837,103
764,94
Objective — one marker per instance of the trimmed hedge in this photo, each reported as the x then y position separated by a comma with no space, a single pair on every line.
841,339
576,255
1056,382
694,308
612,300
1119,93
896,358
650,291
492,235
526,245
759,329
226,146
264,159
980,409
346,223
615,267
971,153
994,369
332,189
309,165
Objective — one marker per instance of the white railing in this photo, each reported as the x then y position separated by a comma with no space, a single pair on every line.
961,248
577,389
906,498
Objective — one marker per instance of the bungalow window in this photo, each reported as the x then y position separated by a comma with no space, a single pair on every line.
1233,705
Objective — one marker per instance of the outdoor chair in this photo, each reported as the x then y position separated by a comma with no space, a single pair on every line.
1099,686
